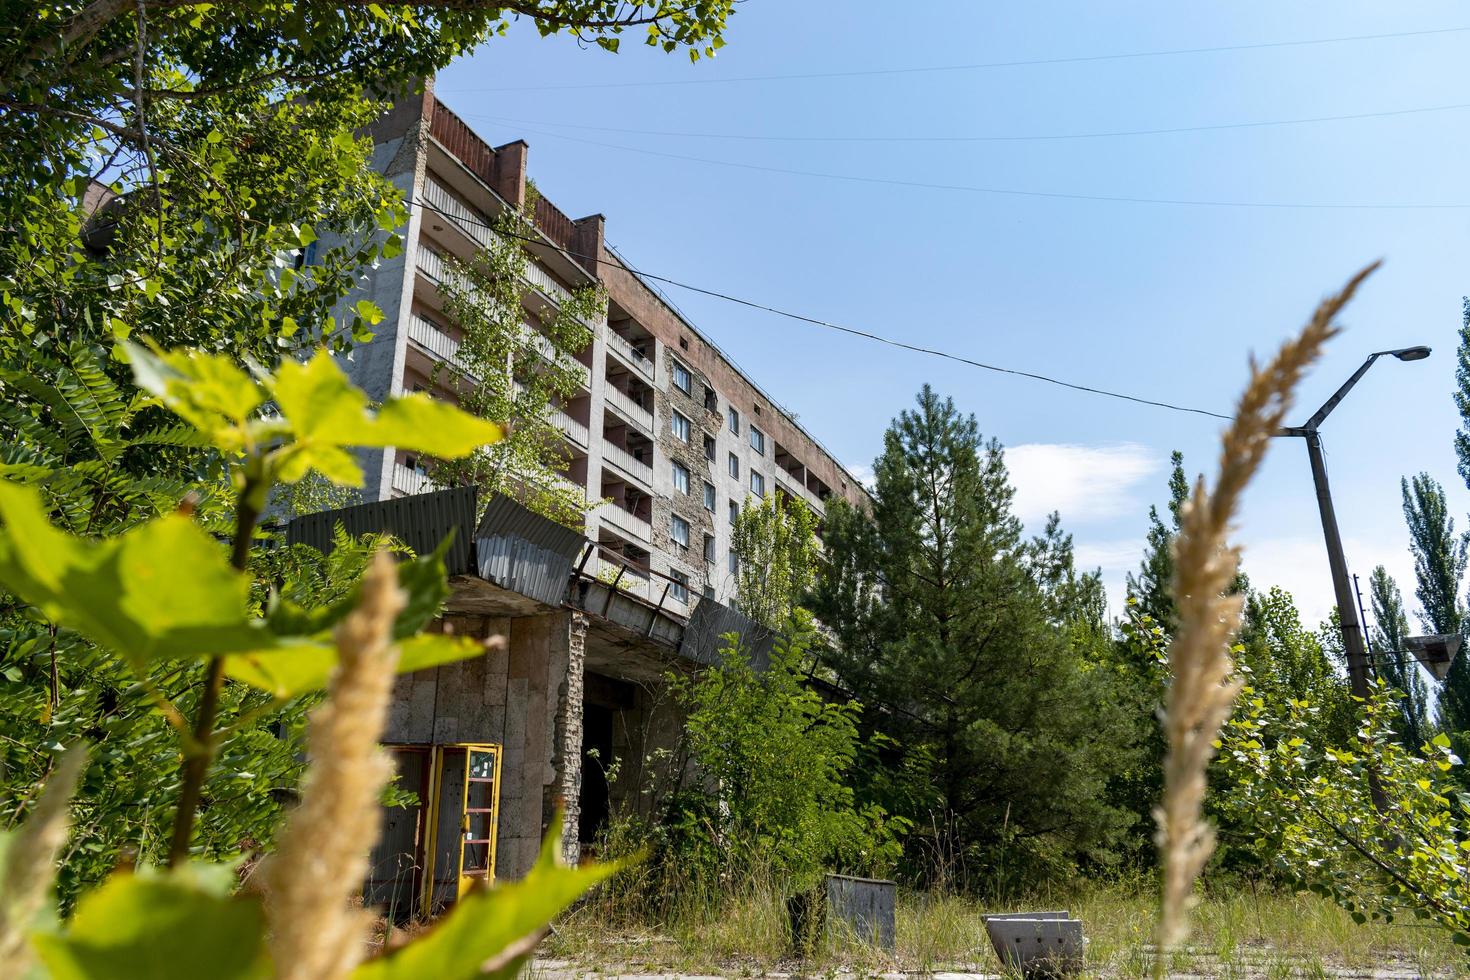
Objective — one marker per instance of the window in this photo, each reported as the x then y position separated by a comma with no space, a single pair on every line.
709,548
734,466
680,425
734,512
679,530
757,440
681,478
679,587
711,400
683,343
733,562
709,497
757,484
709,448
682,379
733,417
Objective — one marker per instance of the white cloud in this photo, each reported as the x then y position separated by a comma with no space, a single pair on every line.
1084,483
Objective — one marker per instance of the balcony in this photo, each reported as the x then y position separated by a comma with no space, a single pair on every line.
475,225
625,461
541,279
574,430
797,490
620,346
631,410
476,228
432,265
427,335
629,524
547,349
409,481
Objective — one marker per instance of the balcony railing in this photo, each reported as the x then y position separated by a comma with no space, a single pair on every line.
477,227
541,279
626,522
471,222
575,430
630,409
432,265
625,461
410,481
427,334
619,345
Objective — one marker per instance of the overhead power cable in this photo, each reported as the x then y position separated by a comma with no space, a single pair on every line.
1011,191
853,331
1006,138
978,66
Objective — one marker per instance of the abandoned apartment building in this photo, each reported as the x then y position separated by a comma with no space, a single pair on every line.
589,621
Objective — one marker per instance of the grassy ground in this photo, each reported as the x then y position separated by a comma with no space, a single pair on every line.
1237,935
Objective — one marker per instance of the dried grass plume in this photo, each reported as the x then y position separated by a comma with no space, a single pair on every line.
1203,683
322,856
29,865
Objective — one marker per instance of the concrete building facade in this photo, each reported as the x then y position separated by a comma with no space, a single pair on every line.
667,440
666,429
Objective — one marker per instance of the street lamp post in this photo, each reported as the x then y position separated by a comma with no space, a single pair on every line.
1347,610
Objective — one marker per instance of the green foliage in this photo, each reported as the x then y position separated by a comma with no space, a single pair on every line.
777,545
1284,660
1462,392
1395,665
164,591
1310,806
492,932
963,638
317,416
159,926
1440,558
516,365
1151,586
162,596
186,923
775,762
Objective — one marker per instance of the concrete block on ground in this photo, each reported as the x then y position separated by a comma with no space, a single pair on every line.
1037,944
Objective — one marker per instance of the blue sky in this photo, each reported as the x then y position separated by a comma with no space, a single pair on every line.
1163,301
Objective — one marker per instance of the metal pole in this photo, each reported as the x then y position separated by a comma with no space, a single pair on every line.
1347,610
1363,619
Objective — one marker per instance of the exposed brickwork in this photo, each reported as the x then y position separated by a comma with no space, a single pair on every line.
628,292
690,506
565,791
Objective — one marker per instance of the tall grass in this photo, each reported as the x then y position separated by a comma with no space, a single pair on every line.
1237,932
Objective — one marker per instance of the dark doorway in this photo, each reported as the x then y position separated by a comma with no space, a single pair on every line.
597,756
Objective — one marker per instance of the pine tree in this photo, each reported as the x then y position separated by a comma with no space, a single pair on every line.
1396,665
948,630
1151,586
1439,566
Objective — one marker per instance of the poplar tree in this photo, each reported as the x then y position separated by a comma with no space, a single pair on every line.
1439,567
1150,588
1462,392
776,545
1395,665
947,632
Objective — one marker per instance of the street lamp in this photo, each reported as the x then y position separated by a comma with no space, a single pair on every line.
1347,610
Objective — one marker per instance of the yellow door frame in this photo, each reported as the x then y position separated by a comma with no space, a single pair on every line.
490,749
436,793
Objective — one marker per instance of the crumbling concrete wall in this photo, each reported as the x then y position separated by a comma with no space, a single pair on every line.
524,694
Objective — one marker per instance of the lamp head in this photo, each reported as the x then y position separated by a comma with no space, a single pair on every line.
1411,353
